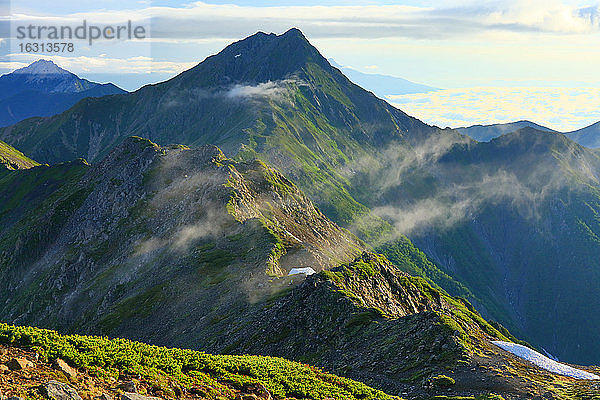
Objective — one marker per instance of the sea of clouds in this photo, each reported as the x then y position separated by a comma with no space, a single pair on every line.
562,109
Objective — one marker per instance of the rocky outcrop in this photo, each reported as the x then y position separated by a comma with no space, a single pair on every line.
55,390
62,366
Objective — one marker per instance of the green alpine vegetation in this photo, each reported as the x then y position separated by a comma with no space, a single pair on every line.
11,158
211,376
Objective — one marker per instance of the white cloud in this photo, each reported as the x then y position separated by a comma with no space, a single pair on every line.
268,89
455,19
383,20
563,109
445,43
460,196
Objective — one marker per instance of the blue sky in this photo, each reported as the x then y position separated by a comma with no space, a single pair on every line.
451,44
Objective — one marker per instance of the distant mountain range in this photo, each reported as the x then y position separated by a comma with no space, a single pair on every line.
192,246
43,89
485,133
382,85
588,136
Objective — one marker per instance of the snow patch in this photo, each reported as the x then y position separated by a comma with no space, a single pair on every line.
544,362
306,271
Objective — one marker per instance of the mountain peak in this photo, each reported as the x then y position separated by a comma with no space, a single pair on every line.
42,67
294,32
290,34
292,44
43,89
258,58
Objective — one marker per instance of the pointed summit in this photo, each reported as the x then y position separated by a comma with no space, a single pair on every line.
229,98
42,67
258,58
44,89
43,76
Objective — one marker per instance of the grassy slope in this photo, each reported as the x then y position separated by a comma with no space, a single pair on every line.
37,200
213,375
12,158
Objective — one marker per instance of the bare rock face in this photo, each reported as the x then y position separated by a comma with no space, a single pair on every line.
55,390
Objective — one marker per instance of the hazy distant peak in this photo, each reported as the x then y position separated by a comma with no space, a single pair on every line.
42,67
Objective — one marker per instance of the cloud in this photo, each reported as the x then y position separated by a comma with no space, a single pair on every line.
454,19
270,90
453,204
423,215
462,40
207,223
395,163
372,21
267,89
423,189
562,109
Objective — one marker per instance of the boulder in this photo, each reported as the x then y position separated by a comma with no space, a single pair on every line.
129,386
65,368
17,364
55,390
137,396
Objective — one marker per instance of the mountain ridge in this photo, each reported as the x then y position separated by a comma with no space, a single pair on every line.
374,170
588,136
11,158
203,244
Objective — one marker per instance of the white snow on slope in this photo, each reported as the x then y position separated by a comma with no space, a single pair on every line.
544,362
